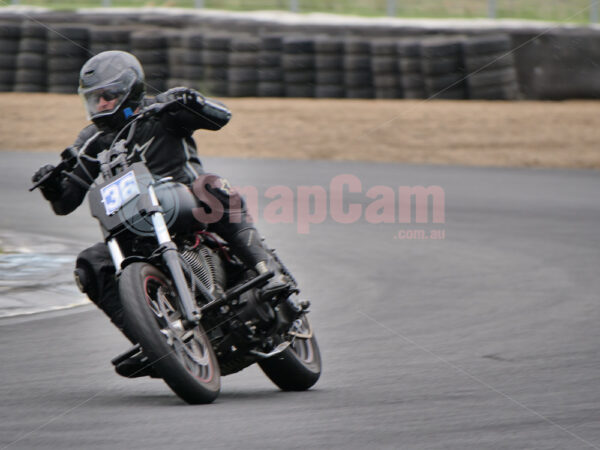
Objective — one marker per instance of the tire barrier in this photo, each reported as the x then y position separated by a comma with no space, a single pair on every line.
215,58
410,76
242,72
298,63
443,69
150,47
490,68
10,35
262,57
329,68
270,71
68,50
176,56
192,67
384,66
31,66
358,76
558,65
109,38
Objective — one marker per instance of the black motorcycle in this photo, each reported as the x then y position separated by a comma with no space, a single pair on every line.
194,308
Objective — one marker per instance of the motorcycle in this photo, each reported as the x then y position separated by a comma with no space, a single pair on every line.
193,307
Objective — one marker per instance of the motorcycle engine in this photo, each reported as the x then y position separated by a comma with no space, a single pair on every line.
207,267
255,312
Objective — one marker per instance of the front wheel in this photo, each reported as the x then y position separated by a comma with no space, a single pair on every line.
184,358
298,367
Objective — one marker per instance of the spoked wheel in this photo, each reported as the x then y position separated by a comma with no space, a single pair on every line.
298,367
190,345
183,358
303,341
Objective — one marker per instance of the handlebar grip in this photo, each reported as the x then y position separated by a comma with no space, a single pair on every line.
59,168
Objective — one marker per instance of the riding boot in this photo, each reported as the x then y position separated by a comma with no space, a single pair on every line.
246,244
136,366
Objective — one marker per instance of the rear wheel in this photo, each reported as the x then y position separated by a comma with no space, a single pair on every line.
183,358
298,367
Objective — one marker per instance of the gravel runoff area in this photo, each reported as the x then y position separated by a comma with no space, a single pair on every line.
474,133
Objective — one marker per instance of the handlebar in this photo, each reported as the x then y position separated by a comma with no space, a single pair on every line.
62,166
68,157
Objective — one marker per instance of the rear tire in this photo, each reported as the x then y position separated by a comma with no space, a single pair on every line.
298,367
185,360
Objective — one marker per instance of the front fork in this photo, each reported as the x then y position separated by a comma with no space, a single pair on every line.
170,258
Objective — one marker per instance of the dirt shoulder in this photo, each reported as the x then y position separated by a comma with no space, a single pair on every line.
511,134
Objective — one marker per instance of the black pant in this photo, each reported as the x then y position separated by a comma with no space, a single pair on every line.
98,278
97,271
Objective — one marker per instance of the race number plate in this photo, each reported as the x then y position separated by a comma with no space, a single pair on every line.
119,192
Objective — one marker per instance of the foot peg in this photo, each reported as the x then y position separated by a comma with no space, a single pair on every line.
297,306
125,355
134,364
276,285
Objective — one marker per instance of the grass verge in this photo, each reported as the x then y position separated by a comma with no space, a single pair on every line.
548,10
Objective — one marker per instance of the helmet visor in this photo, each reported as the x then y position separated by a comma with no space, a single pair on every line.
104,100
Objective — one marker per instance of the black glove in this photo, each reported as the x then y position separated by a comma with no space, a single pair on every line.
182,95
51,189
42,172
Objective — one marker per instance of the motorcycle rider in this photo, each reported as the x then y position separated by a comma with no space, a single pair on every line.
112,87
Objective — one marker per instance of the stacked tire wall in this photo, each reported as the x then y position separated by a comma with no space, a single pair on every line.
298,62
491,68
384,65
9,49
270,70
31,68
68,49
151,49
242,74
109,38
358,76
410,76
176,60
233,55
443,68
191,69
215,58
329,68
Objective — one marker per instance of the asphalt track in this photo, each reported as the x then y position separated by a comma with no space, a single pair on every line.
487,339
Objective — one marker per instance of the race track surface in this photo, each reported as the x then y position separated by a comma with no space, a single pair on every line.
487,339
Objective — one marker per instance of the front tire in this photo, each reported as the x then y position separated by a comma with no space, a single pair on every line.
298,367
183,358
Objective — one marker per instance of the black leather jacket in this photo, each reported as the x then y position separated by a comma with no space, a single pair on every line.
165,141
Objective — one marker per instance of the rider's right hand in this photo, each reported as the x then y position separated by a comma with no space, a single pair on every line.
51,187
42,172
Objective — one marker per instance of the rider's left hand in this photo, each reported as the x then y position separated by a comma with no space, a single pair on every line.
182,95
